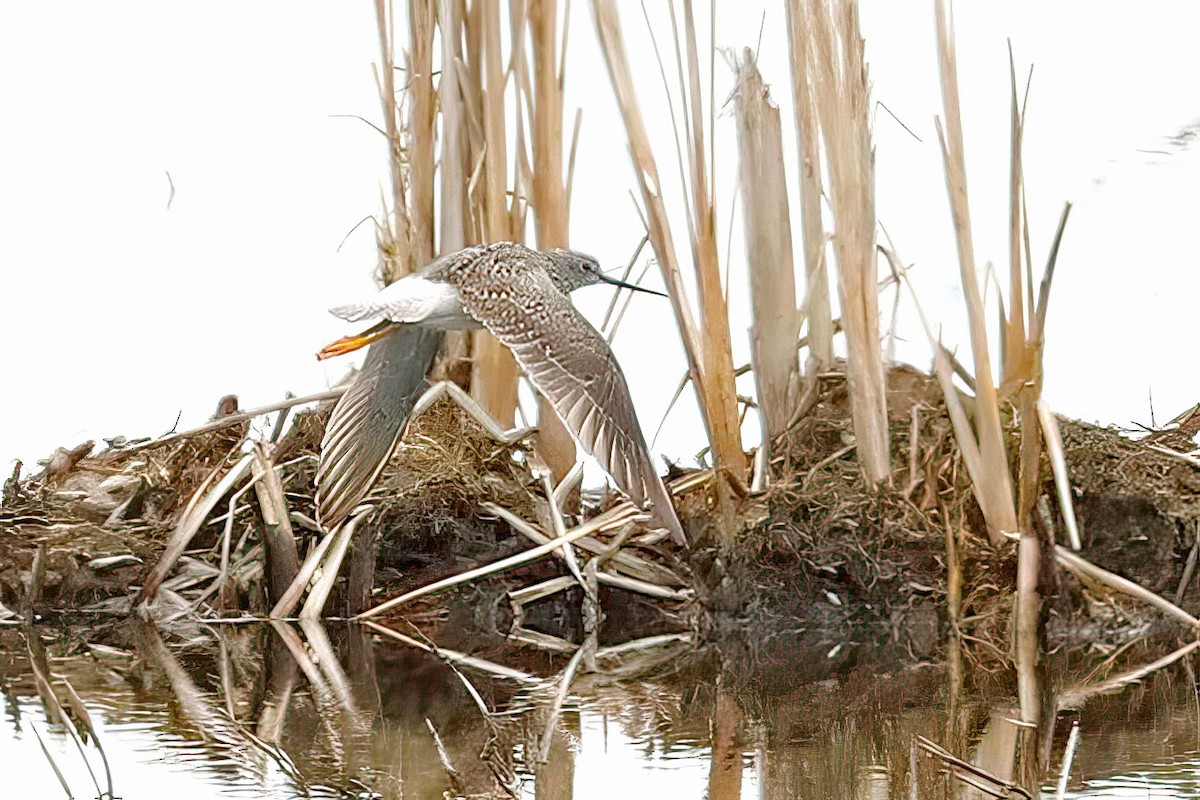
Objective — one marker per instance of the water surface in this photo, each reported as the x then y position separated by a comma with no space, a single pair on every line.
288,711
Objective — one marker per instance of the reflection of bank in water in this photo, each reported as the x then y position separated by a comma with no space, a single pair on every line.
286,710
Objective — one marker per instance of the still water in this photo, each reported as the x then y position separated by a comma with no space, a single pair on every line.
283,711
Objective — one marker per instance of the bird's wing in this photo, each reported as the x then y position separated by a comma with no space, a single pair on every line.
571,364
366,422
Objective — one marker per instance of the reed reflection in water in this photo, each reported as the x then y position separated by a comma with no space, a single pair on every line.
281,711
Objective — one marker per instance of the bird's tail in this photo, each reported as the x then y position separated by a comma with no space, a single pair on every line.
356,312
366,422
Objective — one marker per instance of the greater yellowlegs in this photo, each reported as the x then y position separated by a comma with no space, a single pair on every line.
521,296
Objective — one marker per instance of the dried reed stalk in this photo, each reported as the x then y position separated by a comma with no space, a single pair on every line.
816,294
775,328
613,518
279,542
454,221
190,520
836,60
421,131
494,372
551,197
612,43
1058,465
392,237
718,348
1077,696
707,347
993,484
1015,350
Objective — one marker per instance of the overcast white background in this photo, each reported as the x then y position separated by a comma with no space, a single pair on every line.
117,314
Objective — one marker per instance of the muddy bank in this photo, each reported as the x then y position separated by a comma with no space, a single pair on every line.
825,564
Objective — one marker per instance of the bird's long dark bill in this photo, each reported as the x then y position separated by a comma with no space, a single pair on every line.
632,286
348,344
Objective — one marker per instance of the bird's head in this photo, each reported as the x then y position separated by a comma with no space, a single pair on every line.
574,270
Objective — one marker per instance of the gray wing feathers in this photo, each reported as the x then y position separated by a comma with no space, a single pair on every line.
366,422
571,364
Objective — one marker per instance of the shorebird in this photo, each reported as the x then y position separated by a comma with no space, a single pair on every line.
520,295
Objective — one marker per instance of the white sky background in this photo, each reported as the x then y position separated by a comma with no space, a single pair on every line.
117,314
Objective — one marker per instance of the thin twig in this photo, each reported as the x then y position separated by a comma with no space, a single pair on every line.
233,419
53,764
560,697
461,659
1068,757
1058,465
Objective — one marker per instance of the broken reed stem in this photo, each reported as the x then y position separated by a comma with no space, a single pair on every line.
278,538
775,327
223,578
816,304
457,789
393,236
62,781
37,576
190,522
1016,355
1068,758
1028,601
954,581
454,221
231,420
625,561
291,598
318,595
842,96
453,656
1075,696
55,713
1028,625
556,705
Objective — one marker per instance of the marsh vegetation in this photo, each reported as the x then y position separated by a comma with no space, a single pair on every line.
910,584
